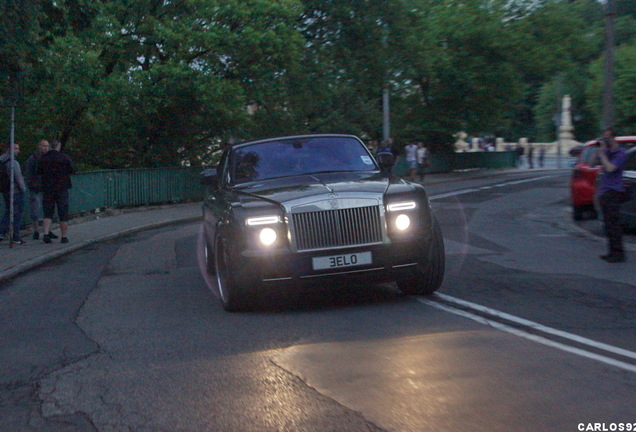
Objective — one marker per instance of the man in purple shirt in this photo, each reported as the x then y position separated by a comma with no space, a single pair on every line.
611,188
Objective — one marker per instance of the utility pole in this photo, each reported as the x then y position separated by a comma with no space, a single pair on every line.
386,115
607,119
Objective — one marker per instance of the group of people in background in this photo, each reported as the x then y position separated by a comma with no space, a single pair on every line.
416,155
46,181
417,160
529,155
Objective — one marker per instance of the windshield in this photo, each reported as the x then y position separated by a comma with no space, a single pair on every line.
305,155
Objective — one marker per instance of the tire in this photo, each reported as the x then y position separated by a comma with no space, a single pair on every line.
210,266
584,212
578,213
430,279
233,296
593,213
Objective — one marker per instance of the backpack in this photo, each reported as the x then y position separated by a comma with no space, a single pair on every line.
5,180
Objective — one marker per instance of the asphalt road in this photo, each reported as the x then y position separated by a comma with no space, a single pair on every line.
530,332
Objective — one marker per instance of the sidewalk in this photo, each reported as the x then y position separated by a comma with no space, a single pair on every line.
552,163
85,231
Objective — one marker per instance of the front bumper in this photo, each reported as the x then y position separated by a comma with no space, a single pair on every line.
390,262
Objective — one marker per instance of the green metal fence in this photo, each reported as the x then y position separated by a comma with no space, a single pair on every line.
448,162
134,187
130,187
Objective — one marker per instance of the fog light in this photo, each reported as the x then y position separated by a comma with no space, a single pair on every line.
402,222
267,236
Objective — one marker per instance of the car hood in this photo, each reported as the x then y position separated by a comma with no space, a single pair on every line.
288,189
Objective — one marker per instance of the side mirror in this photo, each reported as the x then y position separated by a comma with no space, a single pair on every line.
386,161
209,177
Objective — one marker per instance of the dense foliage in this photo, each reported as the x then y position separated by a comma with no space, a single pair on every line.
165,82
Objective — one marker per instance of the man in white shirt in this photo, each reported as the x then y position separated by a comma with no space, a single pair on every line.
422,161
411,159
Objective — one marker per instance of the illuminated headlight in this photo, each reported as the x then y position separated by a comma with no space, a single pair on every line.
407,205
402,222
267,236
265,220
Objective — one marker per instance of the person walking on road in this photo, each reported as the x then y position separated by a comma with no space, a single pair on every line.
34,184
611,189
55,168
19,189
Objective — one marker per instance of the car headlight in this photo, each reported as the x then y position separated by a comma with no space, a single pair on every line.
401,214
267,236
402,222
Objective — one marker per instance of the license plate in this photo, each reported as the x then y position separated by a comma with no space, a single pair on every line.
339,261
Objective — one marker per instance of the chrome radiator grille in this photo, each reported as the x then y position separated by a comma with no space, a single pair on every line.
337,228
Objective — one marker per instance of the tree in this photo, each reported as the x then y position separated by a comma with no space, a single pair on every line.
155,82
166,82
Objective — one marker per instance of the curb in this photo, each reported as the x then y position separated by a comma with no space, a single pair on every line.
43,259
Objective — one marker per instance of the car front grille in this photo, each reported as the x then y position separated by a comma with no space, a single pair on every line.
337,228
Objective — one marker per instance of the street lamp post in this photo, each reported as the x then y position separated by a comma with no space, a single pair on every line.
11,96
12,178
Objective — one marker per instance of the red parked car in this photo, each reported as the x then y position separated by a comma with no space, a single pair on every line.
584,174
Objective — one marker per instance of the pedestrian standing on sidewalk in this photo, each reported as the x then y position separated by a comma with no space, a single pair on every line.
34,184
541,156
422,159
411,159
530,156
611,190
519,150
56,169
19,189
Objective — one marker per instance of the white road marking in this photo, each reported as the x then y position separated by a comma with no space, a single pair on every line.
467,191
537,327
530,324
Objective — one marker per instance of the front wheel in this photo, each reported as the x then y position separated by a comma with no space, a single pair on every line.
430,279
209,258
580,213
232,294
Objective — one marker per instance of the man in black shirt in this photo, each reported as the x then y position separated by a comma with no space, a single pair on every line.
56,169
